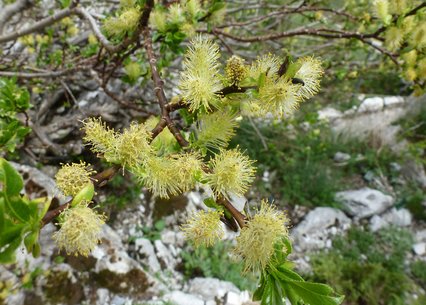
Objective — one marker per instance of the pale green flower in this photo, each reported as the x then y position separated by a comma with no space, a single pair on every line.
158,19
267,65
71,178
381,9
310,72
203,228
280,98
215,129
160,176
231,172
101,137
132,146
255,244
127,21
80,230
394,37
199,80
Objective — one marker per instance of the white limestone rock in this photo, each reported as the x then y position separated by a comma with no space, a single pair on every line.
364,202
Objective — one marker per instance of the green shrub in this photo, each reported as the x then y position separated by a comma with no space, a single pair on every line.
209,262
418,270
367,267
301,160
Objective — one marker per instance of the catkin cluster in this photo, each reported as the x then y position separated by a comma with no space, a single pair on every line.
405,34
272,93
166,169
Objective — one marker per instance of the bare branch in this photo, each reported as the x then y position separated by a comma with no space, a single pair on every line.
38,25
12,9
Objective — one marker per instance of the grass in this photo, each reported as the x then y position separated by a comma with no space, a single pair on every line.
299,154
215,262
368,267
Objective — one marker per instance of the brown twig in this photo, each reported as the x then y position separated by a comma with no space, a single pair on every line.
99,180
159,90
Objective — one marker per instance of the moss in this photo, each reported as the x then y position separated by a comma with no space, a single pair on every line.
59,288
135,281
166,207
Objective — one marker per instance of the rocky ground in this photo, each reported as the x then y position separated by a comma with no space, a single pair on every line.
131,266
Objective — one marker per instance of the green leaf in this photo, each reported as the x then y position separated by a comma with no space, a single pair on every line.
7,255
15,206
292,69
314,293
13,182
85,194
10,233
30,240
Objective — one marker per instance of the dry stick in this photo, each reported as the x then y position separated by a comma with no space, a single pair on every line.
326,33
12,9
38,25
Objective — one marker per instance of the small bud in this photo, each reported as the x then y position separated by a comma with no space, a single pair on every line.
235,70
133,70
80,230
203,228
72,178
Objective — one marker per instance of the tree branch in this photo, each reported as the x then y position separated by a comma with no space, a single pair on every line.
12,9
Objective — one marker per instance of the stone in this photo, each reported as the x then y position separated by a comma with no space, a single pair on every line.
312,233
115,269
377,222
164,255
102,295
329,113
238,201
340,157
210,288
181,298
234,298
419,248
168,237
393,100
414,171
147,250
371,104
320,219
399,218
420,235
364,202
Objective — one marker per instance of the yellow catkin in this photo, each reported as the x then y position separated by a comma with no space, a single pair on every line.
255,244
203,228
231,172
71,178
80,230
